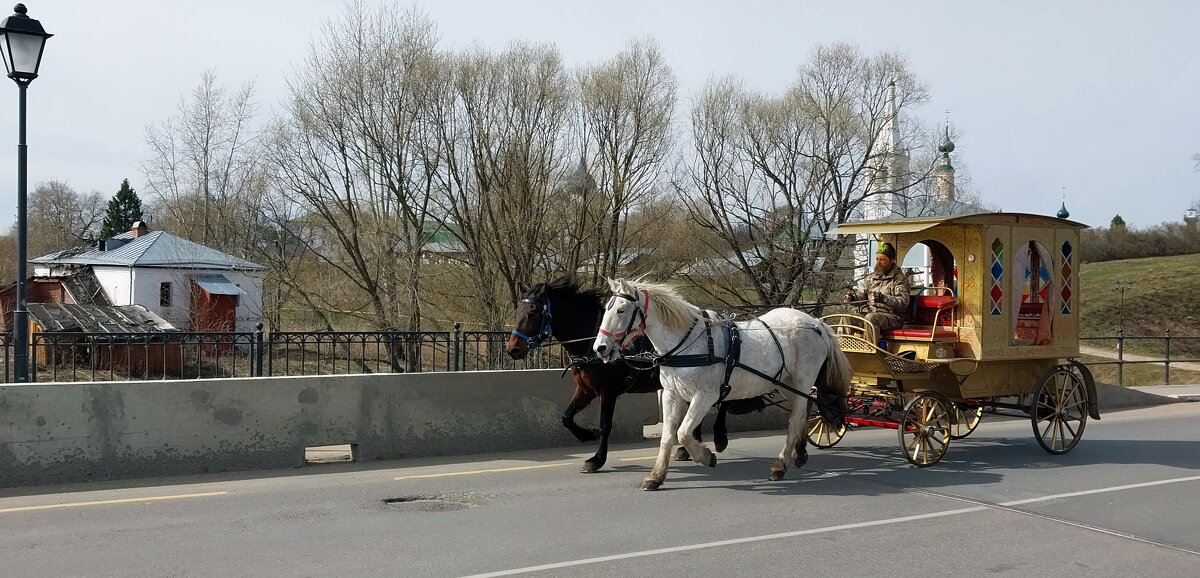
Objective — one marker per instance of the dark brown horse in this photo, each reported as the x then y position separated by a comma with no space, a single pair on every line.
560,309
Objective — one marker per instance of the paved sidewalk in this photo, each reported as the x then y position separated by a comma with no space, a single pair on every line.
1180,392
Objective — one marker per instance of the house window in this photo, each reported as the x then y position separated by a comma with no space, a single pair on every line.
164,294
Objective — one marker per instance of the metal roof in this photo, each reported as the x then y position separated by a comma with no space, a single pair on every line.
218,285
97,318
155,249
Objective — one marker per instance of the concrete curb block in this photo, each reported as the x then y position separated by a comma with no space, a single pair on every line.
1116,398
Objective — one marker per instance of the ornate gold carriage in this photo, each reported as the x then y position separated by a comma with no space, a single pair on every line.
994,323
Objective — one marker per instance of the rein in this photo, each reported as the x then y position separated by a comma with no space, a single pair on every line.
733,347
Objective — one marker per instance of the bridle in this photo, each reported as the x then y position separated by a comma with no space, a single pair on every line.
547,329
625,338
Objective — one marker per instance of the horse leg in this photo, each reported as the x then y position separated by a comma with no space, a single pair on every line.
582,397
681,453
695,413
608,403
720,432
672,414
795,445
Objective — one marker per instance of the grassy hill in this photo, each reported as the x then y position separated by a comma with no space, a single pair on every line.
1165,295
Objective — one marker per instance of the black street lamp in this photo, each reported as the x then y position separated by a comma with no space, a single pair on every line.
1122,286
21,42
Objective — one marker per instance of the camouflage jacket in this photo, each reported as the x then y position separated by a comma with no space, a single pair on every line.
894,287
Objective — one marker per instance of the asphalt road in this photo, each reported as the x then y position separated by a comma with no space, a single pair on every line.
1123,503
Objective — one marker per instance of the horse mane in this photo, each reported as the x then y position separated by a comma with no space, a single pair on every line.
567,287
671,308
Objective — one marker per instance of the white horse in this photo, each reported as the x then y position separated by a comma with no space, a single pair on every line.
784,346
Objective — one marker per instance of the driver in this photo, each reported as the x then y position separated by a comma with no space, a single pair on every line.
885,292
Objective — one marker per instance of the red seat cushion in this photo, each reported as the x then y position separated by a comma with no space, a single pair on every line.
935,301
920,333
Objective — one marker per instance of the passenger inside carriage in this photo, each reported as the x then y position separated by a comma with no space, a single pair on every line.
885,293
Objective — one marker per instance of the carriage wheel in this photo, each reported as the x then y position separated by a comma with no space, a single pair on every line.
925,429
821,433
966,419
1059,411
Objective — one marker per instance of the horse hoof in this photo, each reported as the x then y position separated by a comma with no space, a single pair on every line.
801,460
778,468
682,454
651,485
721,443
712,460
590,467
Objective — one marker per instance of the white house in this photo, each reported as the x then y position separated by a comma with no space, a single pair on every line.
191,286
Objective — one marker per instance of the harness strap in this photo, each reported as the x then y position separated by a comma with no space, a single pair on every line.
733,351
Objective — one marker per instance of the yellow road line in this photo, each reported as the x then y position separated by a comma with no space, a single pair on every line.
641,459
512,469
107,502
489,471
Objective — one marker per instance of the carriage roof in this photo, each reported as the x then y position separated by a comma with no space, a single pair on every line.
915,224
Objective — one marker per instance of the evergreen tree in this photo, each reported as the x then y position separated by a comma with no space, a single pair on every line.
124,209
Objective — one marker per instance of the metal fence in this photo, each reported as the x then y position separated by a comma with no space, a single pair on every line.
74,356
1150,350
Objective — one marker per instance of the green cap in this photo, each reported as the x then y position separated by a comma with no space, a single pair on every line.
887,249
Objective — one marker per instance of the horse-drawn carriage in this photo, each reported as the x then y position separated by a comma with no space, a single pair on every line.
994,325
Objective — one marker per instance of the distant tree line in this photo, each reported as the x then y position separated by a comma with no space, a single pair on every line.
1118,241
523,168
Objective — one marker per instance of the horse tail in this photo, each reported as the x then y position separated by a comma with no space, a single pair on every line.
833,381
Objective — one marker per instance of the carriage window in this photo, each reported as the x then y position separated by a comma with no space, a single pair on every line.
1032,295
933,271
933,278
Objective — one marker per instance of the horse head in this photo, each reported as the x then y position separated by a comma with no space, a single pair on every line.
623,321
533,322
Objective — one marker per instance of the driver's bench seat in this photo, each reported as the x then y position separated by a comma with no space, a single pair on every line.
932,331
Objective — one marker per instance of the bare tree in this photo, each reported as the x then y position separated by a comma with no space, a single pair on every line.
60,218
504,129
769,175
353,176
204,175
627,104
8,260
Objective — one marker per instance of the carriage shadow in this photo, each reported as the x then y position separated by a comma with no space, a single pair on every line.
877,470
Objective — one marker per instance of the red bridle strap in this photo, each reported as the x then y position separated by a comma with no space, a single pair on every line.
624,337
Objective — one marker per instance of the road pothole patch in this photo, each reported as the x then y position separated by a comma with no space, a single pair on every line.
427,503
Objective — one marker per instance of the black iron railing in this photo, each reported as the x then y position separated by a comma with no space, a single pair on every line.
1115,351
68,356
74,356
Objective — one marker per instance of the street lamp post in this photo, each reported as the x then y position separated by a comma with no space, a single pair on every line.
1122,286
21,42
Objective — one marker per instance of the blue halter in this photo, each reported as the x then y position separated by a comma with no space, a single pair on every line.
547,328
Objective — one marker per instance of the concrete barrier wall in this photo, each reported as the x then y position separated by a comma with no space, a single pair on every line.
57,433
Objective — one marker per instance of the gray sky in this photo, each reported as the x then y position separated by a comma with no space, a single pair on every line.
1098,97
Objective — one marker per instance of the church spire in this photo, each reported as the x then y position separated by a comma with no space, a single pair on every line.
889,164
1062,211
944,184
